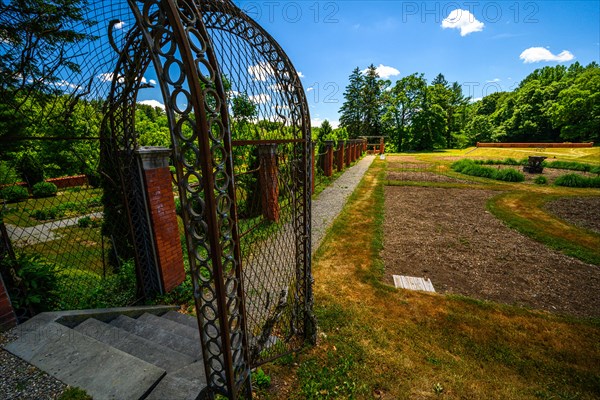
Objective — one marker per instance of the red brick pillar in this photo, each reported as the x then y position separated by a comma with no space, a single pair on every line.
364,146
381,146
269,181
353,156
356,149
328,167
340,156
8,319
163,217
347,154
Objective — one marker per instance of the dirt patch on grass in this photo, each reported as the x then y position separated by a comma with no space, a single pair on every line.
448,236
403,160
580,211
422,177
408,165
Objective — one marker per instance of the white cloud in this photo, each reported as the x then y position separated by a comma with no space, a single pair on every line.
463,20
384,71
261,71
537,54
152,82
260,98
120,25
316,123
108,77
310,89
153,103
493,80
300,74
69,85
475,99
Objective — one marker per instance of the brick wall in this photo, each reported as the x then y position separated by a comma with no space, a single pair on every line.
165,227
8,318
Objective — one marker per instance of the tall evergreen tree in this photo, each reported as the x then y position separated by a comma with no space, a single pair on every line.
372,105
352,110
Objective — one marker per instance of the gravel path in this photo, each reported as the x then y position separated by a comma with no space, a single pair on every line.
41,233
331,200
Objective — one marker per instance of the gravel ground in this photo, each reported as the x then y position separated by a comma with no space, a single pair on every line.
447,235
20,380
581,211
331,200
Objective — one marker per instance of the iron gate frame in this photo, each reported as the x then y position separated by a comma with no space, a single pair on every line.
162,38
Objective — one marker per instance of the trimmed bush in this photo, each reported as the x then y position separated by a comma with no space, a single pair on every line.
460,165
506,161
578,181
13,194
509,175
595,170
540,180
570,165
470,167
44,189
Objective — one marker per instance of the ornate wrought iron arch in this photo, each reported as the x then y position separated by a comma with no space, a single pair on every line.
175,38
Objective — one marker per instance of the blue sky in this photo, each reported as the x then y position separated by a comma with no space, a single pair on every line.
486,46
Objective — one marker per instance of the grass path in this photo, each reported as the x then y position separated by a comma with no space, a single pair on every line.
379,342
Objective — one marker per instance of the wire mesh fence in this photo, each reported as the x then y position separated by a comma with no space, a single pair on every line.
55,227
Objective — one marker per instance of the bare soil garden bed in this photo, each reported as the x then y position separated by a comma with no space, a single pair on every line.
447,235
397,165
422,177
581,211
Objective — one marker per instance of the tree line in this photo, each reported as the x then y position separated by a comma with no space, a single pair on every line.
551,104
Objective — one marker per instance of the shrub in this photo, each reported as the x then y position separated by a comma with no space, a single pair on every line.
88,222
595,170
506,161
44,189
40,280
540,180
571,165
477,170
509,175
260,379
8,175
31,170
460,165
575,180
45,214
14,193
70,207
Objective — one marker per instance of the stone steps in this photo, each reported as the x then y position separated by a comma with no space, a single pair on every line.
159,335
154,353
151,352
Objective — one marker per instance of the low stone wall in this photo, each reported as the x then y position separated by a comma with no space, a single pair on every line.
538,145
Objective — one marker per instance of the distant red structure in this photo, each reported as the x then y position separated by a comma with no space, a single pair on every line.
538,145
